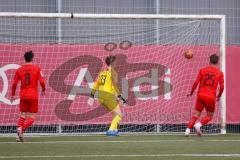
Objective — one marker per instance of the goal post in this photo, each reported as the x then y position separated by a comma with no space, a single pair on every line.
173,26
223,68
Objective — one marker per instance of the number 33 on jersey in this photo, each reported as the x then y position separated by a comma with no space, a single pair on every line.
105,82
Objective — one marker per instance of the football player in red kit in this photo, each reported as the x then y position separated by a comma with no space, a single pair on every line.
208,80
29,75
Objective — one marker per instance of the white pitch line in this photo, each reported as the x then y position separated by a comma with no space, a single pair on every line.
127,155
223,140
119,141
122,141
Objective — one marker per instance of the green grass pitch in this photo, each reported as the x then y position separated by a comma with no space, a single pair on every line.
124,147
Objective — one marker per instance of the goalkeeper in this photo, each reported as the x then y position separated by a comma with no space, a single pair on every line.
108,93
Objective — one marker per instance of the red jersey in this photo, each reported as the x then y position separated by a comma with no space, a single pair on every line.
29,75
209,78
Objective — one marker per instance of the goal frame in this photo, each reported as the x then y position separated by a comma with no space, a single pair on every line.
221,18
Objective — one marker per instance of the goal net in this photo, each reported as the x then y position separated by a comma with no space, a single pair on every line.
154,75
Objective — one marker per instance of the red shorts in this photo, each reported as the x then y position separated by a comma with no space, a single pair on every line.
29,105
207,102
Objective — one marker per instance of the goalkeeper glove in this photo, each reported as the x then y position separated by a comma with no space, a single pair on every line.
91,100
124,101
91,95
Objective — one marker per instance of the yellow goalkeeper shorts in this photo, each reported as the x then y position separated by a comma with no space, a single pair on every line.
108,100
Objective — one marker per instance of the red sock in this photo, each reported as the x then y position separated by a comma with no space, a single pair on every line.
28,123
192,122
206,119
21,121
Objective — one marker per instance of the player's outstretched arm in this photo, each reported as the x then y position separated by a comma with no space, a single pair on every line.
123,100
114,78
14,85
42,82
95,87
92,93
195,84
221,82
115,87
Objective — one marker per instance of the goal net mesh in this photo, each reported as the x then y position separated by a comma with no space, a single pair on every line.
154,75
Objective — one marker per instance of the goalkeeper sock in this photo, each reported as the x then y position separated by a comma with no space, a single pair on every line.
192,121
21,121
206,119
115,122
28,123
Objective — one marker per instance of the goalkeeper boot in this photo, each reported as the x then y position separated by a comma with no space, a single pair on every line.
115,133
112,133
109,132
197,127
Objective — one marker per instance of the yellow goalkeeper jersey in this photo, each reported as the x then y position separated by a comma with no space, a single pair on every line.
106,82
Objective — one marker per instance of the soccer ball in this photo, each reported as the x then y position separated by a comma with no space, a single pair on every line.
188,54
